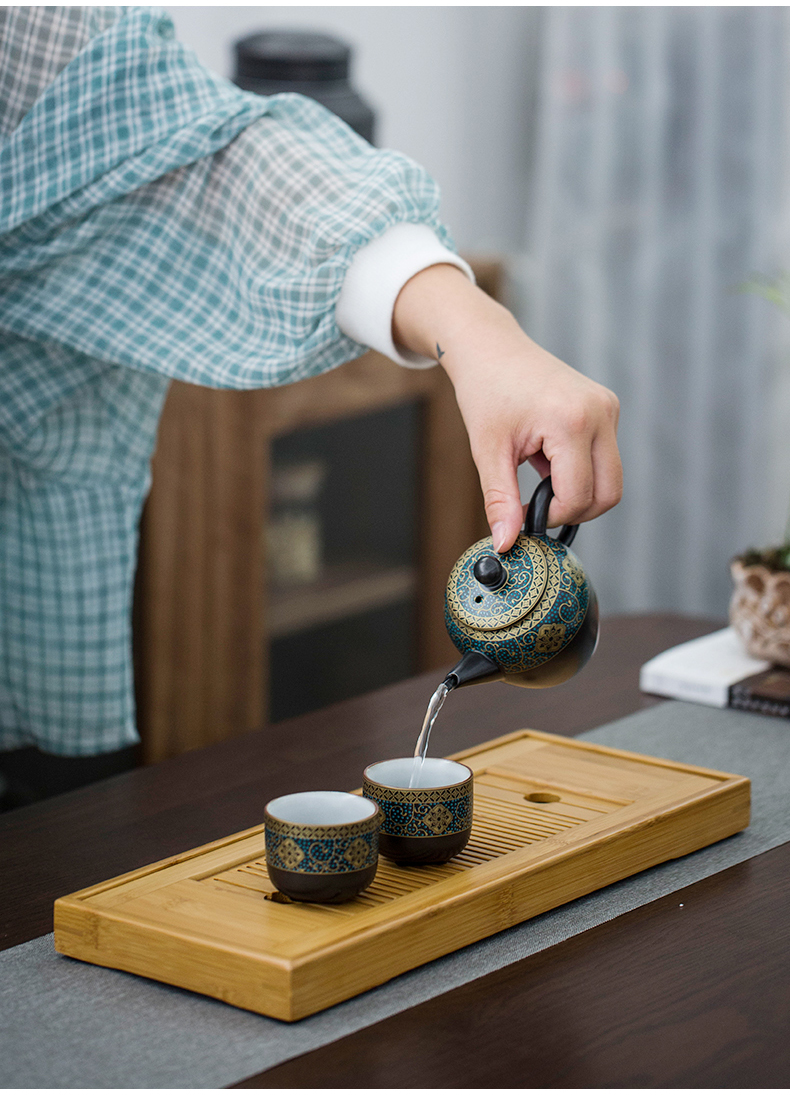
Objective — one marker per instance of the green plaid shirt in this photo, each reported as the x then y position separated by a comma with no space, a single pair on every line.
155,222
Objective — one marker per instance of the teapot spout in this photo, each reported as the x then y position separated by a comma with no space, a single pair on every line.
473,668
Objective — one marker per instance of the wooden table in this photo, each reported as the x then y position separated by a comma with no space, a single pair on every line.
664,996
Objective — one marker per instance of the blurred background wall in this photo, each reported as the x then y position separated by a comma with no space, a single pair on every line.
630,164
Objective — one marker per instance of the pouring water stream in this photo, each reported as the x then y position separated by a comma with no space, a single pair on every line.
421,749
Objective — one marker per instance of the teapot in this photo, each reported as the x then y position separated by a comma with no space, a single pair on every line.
529,616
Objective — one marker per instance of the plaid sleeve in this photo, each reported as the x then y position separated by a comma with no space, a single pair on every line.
36,44
225,267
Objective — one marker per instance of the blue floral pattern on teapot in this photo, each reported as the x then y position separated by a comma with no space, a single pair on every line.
528,616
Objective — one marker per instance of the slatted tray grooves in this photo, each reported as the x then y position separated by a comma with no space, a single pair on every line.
499,827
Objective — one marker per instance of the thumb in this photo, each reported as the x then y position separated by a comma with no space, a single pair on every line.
499,481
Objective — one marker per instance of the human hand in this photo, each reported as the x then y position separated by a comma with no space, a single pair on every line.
519,403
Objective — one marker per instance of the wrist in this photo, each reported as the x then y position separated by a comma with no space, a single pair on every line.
439,311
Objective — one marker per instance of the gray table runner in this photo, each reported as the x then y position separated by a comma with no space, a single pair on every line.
65,1023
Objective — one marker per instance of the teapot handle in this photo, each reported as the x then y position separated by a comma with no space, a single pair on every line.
538,512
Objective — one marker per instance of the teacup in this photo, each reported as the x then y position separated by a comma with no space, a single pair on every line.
429,822
322,845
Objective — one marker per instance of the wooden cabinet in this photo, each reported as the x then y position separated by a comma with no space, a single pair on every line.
204,613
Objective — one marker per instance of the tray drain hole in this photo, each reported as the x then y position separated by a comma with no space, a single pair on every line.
542,796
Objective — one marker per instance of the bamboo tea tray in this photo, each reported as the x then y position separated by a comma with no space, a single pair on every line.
554,819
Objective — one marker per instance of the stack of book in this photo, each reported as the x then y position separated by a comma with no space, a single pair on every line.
717,671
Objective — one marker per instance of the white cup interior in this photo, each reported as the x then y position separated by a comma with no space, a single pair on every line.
321,808
434,772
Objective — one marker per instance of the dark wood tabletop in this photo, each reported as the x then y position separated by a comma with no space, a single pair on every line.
690,990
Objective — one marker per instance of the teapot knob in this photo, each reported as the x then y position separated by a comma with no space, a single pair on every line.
489,572
538,512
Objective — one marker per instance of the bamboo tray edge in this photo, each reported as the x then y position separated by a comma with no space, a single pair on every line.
685,808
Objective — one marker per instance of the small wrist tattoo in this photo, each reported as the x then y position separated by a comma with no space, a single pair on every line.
439,352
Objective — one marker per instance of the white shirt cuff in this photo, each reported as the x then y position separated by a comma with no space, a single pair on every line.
377,273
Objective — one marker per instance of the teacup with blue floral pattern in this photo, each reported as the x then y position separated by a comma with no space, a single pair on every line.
322,846
427,807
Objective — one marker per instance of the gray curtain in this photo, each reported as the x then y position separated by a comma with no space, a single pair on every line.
656,189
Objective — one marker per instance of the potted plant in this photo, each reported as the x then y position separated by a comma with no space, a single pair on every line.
760,604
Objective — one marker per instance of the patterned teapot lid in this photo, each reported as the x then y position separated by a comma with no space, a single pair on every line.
526,566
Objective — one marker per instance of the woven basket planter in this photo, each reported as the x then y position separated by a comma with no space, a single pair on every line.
760,611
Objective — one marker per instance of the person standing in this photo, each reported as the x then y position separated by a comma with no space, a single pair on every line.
158,223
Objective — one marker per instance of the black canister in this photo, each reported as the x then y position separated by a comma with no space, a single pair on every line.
316,65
